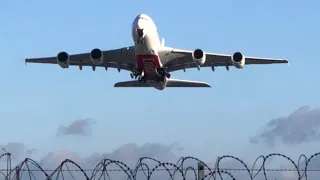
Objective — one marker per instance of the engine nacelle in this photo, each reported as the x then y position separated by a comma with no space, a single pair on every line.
238,60
96,56
199,56
63,59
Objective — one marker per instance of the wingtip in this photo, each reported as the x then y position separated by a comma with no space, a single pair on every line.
206,85
116,84
286,61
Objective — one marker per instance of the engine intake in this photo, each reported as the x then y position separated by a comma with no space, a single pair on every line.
238,60
96,56
63,59
199,56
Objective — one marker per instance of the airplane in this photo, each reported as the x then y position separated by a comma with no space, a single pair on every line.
150,61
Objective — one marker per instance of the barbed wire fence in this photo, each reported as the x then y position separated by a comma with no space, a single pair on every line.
181,170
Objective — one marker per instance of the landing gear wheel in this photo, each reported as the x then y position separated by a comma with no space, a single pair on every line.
161,71
161,74
142,79
160,78
139,72
168,75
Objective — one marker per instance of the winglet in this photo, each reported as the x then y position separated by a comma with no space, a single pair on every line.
25,62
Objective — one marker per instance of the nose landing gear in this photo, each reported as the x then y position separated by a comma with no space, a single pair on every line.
140,33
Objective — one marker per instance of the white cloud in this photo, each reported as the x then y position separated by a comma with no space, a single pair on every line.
299,127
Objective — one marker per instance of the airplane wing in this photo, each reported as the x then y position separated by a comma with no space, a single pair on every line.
178,59
122,58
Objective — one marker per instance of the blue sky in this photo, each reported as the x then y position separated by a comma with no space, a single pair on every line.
37,99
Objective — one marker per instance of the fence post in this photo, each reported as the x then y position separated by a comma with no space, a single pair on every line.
18,173
200,171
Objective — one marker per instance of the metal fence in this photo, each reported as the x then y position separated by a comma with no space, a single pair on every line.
149,168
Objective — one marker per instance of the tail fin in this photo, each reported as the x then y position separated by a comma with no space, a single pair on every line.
186,83
162,42
170,83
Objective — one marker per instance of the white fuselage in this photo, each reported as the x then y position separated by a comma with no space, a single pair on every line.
147,47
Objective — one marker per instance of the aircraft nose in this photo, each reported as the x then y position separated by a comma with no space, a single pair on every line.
139,24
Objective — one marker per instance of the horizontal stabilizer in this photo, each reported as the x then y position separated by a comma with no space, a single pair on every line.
170,83
186,83
131,84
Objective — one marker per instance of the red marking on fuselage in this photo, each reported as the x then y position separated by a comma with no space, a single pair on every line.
148,63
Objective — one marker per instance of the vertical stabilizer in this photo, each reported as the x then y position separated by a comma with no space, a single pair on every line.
162,42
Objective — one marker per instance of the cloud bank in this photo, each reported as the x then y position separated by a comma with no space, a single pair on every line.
130,153
299,127
17,150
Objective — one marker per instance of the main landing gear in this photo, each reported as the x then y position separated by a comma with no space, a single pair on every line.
138,74
161,75
142,79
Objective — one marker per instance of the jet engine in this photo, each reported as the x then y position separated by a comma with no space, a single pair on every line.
96,56
199,56
63,59
238,60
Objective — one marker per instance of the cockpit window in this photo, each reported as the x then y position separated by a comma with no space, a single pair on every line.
142,17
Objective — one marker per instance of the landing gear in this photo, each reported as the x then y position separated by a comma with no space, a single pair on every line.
142,79
161,75
140,34
133,75
137,73
140,41
159,78
168,75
